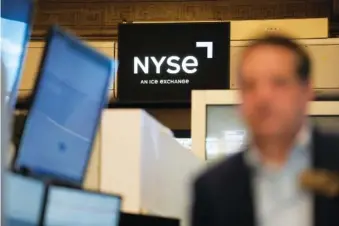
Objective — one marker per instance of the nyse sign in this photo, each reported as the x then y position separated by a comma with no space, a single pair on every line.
174,64
164,62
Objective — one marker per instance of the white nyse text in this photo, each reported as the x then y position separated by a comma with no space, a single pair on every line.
174,64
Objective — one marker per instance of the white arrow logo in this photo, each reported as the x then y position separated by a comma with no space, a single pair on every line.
208,45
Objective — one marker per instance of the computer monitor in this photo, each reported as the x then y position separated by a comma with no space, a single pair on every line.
16,23
70,93
218,130
24,198
67,206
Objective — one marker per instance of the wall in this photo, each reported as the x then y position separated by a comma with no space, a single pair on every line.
92,179
240,30
159,170
179,119
175,119
99,18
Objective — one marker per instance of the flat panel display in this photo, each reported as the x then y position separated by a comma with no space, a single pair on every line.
65,207
16,19
164,62
23,200
69,97
226,132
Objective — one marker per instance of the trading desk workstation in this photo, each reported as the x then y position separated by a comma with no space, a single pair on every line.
145,175
46,187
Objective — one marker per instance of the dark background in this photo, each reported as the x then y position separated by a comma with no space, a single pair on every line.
166,40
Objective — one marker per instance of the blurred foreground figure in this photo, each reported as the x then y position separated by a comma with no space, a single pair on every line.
261,186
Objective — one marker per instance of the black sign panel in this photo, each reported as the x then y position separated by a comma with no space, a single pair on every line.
163,63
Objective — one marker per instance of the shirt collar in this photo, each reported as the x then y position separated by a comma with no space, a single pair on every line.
302,144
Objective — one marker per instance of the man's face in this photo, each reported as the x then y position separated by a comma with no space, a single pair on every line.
274,99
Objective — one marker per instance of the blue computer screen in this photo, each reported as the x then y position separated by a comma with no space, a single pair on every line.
15,32
67,207
61,124
23,200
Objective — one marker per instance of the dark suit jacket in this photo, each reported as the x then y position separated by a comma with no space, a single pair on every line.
223,195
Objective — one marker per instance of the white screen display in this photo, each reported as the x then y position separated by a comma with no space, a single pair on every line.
23,200
225,133
66,207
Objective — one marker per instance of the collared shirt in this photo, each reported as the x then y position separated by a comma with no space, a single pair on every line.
278,198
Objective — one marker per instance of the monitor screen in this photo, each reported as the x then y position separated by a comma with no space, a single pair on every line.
65,207
23,200
226,133
71,92
15,34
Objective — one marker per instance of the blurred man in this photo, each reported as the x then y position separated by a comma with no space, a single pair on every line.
260,186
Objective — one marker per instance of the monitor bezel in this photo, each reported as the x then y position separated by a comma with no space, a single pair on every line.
201,99
56,31
51,186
